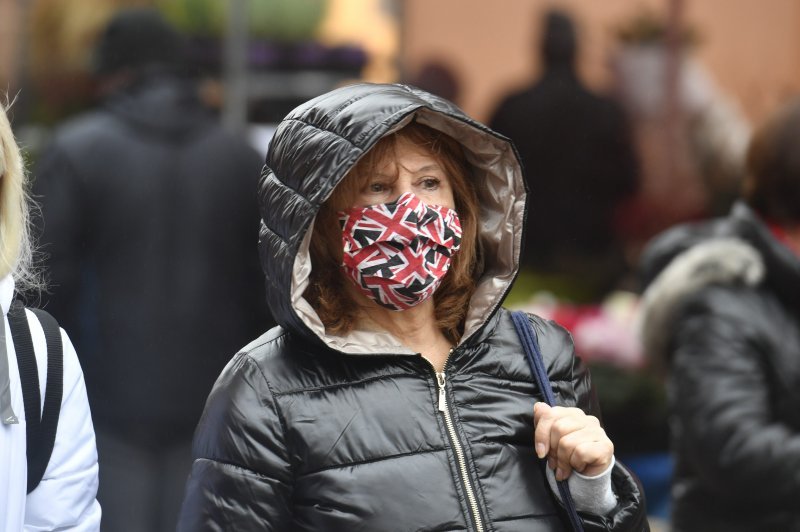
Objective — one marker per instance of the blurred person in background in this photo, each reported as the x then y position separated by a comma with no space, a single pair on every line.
722,310
579,162
438,77
150,222
61,486
395,394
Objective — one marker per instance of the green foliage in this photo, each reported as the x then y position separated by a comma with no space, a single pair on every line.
563,287
647,27
196,17
286,20
280,20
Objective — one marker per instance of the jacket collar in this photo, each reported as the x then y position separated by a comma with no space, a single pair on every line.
6,292
7,415
782,264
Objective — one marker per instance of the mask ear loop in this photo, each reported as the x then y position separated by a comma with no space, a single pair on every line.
7,414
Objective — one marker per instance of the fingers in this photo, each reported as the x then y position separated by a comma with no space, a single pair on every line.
542,421
586,450
571,440
591,458
544,418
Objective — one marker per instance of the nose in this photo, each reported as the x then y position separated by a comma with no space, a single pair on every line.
402,184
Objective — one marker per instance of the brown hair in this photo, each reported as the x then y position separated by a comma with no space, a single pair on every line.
328,291
772,186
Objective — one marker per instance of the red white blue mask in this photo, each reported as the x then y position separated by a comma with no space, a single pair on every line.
398,253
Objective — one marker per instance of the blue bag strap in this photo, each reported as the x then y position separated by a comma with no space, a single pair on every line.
530,344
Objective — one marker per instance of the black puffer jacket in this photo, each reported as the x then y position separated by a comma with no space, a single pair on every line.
723,307
306,431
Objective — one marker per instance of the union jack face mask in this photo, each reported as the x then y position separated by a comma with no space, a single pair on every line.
398,253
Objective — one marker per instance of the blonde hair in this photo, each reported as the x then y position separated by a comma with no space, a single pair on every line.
16,251
327,291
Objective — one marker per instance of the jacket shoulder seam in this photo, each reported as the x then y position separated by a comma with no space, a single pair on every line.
248,349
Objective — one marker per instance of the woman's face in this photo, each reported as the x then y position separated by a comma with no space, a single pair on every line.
408,168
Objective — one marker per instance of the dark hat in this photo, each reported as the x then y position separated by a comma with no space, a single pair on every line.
136,38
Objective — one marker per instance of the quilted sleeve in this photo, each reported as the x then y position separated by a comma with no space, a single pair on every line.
241,477
727,347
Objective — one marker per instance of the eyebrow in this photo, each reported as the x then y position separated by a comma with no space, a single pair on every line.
428,168
420,170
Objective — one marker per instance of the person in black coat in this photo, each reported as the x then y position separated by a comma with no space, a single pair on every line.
149,225
722,311
395,395
579,161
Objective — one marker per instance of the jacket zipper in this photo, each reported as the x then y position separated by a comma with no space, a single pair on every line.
444,408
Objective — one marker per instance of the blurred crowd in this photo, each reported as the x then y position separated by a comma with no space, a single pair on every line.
667,242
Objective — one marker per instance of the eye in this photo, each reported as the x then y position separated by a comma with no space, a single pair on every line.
430,183
376,187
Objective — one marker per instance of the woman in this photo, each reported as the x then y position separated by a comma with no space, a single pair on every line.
395,395
64,498
722,308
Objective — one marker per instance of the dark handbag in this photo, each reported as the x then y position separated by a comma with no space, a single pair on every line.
527,336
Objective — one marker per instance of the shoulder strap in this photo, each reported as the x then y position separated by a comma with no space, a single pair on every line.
28,376
527,336
40,431
52,395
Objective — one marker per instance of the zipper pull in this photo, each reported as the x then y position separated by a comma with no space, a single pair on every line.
440,379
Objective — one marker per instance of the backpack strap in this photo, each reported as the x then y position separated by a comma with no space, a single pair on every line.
52,395
530,344
41,428
28,376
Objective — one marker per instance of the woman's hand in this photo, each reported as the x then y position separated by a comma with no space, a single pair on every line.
571,440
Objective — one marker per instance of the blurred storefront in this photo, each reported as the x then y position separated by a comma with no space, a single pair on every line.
751,49
287,50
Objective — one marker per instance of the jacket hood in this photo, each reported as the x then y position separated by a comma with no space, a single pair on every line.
315,146
738,249
163,104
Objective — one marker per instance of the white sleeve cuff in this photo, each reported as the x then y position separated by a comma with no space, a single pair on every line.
591,494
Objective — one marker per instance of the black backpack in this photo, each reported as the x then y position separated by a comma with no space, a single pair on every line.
40,431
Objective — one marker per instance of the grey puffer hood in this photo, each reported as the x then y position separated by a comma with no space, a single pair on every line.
313,149
737,249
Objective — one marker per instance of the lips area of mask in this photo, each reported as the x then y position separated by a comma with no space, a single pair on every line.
398,253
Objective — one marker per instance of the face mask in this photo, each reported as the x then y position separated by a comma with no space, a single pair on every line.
398,253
